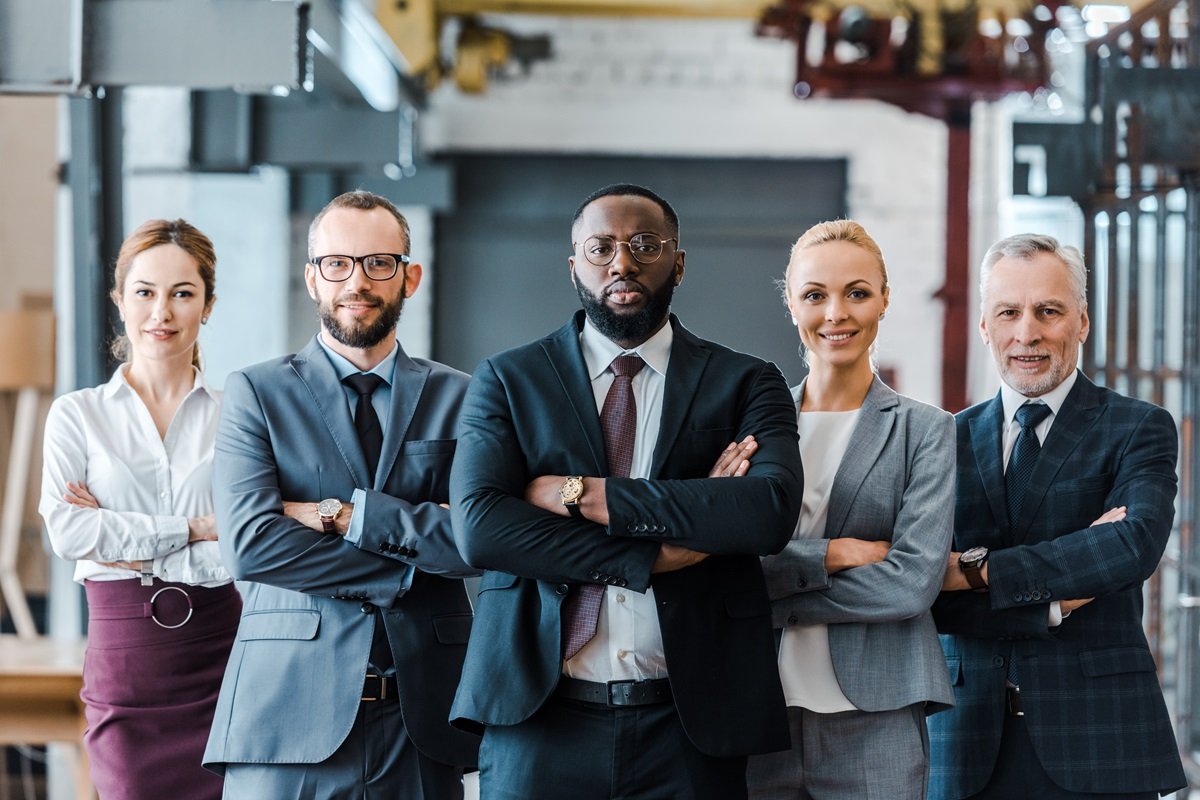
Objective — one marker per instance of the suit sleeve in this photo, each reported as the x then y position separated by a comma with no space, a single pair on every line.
754,514
1103,558
258,542
419,534
494,526
906,582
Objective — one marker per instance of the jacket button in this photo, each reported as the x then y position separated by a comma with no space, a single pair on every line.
1046,593
631,527
412,552
643,528
368,608
622,582
793,619
595,575
1017,597
1037,595
998,661
561,589
802,583
1027,597
660,528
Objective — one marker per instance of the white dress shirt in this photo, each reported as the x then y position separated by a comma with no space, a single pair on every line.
147,486
628,641
805,662
1011,399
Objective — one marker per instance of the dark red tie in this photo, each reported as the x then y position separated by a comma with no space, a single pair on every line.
618,419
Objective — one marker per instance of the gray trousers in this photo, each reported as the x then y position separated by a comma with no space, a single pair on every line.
881,755
377,761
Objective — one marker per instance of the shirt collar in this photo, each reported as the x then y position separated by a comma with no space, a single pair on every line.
342,366
1054,398
117,383
599,351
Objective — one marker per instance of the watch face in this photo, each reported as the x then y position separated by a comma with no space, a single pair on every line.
571,489
973,556
329,508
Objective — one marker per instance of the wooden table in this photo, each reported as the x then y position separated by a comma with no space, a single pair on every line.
40,680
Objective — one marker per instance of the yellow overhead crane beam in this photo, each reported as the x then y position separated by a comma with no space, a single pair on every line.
415,27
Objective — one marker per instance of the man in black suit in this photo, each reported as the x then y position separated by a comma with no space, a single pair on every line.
622,644
1065,503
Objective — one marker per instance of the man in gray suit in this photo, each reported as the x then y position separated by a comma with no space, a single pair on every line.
330,478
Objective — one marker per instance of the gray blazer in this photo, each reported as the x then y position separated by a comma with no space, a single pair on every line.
895,482
296,673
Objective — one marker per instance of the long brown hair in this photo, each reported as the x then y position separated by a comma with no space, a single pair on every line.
153,233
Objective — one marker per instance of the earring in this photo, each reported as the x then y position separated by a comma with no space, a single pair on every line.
204,320
794,321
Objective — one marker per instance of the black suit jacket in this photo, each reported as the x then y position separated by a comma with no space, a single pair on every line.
531,412
1093,706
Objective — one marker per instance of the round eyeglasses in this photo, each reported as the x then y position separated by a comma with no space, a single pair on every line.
376,266
644,247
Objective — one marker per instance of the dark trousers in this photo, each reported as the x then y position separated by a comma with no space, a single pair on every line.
1019,773
574,750
377,761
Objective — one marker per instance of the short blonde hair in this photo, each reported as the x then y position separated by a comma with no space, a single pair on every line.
835,230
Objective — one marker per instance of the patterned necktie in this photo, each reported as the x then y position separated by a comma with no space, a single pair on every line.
618,419
370,436
366,421
1023,457
1021,462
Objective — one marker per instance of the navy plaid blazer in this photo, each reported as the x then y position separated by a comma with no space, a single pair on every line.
1093,705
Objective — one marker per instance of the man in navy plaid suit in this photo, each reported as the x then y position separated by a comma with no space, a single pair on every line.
1065,501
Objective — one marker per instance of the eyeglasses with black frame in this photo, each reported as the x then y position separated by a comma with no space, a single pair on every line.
376,266
646,248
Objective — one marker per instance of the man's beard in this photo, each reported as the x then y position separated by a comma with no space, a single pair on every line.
358,335
636,327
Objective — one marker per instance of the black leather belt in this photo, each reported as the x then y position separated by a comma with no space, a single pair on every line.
1012,701
616,693
379,687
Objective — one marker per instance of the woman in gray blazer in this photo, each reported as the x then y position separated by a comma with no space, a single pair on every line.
858,651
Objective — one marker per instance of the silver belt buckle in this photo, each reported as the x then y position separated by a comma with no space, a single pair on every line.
154,597
382,689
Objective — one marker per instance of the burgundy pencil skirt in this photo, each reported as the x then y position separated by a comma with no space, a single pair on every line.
153,667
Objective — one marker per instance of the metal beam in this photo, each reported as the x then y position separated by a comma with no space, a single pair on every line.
73,46
736,9
319,131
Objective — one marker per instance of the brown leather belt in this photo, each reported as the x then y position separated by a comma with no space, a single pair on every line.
616,693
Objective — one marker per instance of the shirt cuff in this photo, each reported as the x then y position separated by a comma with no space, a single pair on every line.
354,533
1056,615
173,533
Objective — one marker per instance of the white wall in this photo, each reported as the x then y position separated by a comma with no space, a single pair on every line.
711,88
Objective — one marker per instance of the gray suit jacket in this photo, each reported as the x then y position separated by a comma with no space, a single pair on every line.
296,672
895,482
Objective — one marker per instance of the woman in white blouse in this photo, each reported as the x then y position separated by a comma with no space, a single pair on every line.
127,495
858,655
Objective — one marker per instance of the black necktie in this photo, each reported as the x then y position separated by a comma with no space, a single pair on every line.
1021,462
618,420
370,436
1023,457
366,421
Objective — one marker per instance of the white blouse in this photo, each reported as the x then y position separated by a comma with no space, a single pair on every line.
147,487
805,662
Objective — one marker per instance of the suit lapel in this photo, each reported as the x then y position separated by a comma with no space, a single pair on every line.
312,366
987,446
408,380
867,440
1078,414
688,359
566,359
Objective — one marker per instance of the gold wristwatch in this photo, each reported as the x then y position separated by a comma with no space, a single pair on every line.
571,493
